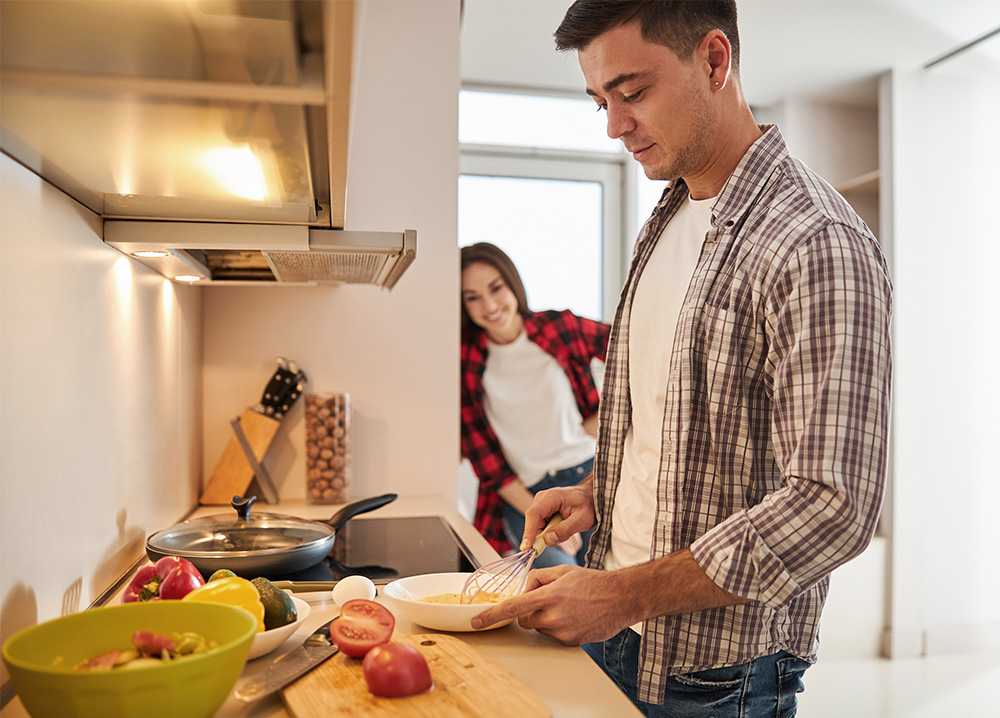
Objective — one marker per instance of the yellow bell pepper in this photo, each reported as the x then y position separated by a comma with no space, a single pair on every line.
234,591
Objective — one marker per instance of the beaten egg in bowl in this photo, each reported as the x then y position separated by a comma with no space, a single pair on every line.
456,598
432,600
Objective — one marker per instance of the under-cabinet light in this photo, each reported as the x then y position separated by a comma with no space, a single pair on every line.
238,170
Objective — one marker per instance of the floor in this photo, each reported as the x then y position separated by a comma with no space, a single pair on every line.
952,686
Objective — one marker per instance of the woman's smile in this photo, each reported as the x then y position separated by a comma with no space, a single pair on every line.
490,303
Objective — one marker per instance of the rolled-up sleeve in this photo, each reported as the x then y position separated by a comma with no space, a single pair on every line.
828,373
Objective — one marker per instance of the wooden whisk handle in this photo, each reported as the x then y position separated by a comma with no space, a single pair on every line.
539,544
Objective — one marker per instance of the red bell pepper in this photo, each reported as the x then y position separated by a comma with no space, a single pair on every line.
169,578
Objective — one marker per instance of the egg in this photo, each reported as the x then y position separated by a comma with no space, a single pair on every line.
352,587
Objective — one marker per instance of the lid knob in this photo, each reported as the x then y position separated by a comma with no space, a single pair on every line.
242,506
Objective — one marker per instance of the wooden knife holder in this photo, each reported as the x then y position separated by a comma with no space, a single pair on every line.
234,472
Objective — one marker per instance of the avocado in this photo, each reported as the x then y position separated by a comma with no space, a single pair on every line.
279,609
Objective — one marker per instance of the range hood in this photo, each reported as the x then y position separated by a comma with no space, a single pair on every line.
222,253
214,130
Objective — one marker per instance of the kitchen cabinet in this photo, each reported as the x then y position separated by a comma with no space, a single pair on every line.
564,677
863,192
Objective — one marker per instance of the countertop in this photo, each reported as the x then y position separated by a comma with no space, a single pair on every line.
563,677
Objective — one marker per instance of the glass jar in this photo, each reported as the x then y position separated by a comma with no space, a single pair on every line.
328,448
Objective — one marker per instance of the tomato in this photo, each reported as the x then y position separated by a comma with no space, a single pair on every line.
152,644
396,670
362,626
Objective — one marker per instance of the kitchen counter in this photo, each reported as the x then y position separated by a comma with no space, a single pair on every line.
563,677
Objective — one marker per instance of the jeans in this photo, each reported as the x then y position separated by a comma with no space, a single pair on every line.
765,686
513,520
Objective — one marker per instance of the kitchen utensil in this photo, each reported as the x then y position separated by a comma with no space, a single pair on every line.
267,641
467,684
289,666
506,576
404,595
41,661
253,545
253,433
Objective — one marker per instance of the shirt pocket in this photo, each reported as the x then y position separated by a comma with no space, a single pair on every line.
717,366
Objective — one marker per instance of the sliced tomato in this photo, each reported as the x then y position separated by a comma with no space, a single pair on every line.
362,626
396,670
152,644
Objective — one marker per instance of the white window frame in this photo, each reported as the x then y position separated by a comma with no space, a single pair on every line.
609,169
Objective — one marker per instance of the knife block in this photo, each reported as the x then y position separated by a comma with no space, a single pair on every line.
233,473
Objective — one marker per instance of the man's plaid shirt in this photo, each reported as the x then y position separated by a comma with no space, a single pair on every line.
776,423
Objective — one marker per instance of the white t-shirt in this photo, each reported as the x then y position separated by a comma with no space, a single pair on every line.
529,403
656,307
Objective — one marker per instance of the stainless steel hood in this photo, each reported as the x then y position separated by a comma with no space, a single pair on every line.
224,253
172,115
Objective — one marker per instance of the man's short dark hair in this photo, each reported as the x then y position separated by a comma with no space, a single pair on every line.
677,24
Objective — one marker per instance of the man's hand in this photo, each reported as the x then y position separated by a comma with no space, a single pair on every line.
575,503
573,604
578,605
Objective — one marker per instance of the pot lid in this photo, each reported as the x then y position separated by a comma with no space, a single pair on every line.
239,534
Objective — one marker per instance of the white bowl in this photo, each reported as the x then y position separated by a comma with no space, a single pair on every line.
264,643
405,594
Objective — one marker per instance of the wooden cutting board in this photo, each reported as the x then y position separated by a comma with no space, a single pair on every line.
467,684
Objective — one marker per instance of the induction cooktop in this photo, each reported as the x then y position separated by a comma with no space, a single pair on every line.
384,549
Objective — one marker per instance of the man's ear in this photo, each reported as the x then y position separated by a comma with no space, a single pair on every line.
716,54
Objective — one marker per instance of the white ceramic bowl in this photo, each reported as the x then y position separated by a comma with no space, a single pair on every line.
405,594
264,643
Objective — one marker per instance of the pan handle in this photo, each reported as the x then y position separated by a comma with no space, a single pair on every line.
358,507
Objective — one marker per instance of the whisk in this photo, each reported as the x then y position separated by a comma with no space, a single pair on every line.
506,576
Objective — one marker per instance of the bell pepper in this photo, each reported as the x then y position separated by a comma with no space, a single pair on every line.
234,591
169,578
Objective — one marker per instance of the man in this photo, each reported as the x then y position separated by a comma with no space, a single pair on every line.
744,417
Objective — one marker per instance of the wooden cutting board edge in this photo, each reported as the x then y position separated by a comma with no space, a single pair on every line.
467,684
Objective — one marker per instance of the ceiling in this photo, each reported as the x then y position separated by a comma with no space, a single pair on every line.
828,49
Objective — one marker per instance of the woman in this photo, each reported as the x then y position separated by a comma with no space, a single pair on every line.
529,402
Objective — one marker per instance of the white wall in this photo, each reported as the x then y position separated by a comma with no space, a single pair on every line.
101,360
100,438
395,352
940,207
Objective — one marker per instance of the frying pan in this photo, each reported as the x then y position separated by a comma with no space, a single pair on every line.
255,545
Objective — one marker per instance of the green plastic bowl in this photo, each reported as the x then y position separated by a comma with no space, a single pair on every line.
40,660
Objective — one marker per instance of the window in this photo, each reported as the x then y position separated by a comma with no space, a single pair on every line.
552,220
542,180
498,118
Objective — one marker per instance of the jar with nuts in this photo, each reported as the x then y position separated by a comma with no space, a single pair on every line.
328,448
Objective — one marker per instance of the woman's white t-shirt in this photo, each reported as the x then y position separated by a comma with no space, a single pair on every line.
530,406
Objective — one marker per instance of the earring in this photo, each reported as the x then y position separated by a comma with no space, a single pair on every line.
716,83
